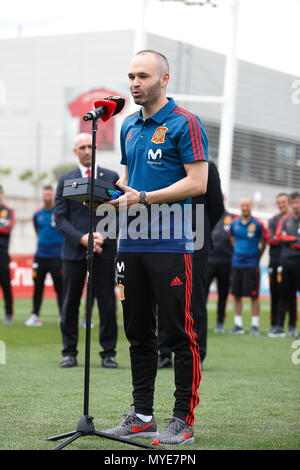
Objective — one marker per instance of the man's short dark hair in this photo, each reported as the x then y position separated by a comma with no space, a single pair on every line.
294,195
282,194
48,186
1,188
162,57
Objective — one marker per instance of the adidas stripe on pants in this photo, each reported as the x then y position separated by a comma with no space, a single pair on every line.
160,282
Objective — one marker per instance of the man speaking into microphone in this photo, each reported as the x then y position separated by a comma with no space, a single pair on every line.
72,220
164,153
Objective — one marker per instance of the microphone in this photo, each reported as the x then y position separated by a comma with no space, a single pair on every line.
106,108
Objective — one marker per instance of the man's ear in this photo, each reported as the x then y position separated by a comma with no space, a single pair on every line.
165,79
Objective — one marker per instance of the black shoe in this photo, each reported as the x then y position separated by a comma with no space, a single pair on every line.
236,330
109,362
164,362
68,361
277,333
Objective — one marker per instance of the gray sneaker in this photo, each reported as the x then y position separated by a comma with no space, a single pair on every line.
292,331
132,426
8,320
177,432
236,330
83,324
219,328
254,331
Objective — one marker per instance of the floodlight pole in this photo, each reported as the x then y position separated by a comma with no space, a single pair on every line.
140,37
228,109
229,94
139,40
37,161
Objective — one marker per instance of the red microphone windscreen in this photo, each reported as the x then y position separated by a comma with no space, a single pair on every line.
120,102
110,106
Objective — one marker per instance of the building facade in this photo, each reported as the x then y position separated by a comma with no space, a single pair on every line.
50,82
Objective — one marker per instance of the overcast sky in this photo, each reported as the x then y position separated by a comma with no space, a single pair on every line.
268,29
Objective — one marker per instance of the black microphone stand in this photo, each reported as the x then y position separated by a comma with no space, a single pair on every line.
85,426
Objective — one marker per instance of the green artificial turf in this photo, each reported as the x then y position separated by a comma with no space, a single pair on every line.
249,394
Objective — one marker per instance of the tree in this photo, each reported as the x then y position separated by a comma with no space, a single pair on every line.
5,171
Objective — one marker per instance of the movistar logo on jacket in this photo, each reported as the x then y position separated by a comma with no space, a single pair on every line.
154,156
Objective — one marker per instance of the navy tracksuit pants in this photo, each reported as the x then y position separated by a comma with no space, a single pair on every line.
147,280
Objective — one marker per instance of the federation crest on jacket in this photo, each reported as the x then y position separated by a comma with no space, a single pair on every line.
159,135
227,222
251,230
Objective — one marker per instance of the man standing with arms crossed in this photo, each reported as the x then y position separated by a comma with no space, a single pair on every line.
164,151
282,201
219,266
288,233
249,239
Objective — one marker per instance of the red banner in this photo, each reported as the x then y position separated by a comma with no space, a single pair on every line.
21,278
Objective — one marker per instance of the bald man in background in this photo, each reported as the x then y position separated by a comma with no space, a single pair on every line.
249,237
72,219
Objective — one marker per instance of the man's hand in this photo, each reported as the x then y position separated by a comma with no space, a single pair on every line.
98,241
129,198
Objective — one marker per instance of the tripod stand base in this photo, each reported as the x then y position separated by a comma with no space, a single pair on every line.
85,427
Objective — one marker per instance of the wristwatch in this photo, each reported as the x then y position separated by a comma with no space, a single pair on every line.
143,199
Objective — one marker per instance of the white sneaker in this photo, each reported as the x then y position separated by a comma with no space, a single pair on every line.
33,320
83,324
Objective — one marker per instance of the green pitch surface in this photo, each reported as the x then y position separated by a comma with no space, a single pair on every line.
249,394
